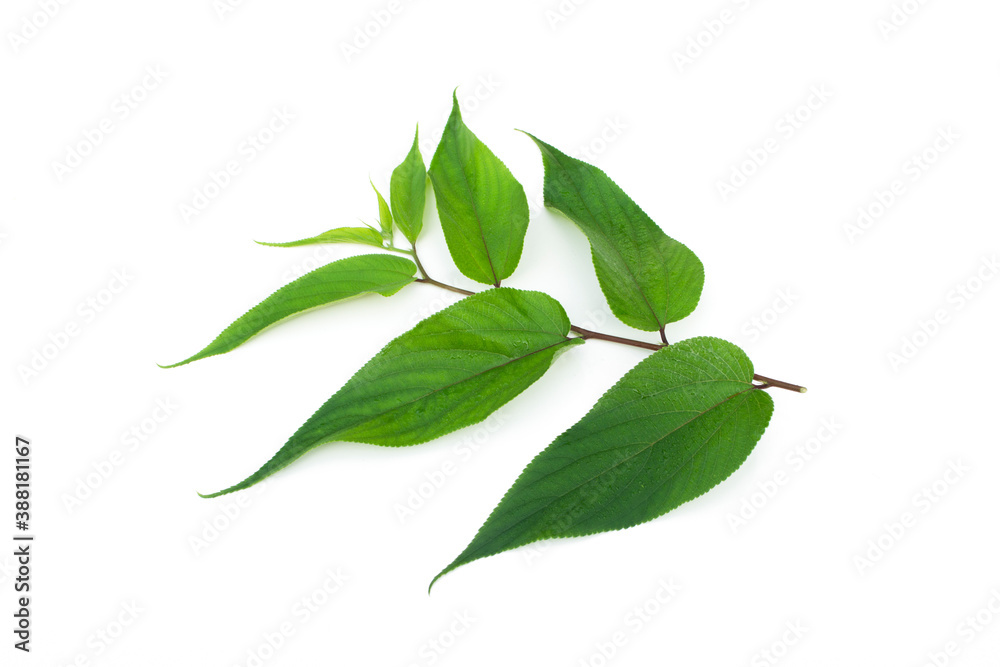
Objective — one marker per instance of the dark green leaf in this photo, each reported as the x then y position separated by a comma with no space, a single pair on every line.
363,235
672,428
483,209
452,370
408,192
648,278
345,278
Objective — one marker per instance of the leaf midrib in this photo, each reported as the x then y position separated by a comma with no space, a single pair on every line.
475,206
686,461
363,420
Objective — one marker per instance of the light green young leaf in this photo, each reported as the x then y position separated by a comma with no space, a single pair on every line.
673,427
483,209
648,278
408,192
384,215
452,370
345,278
363,235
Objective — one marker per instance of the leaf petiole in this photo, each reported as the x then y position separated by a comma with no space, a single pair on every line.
767,383
587,334
401,251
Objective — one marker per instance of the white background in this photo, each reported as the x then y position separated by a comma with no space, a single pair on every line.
604,77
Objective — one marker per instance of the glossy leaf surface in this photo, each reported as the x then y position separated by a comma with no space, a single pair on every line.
648,278
676,425
408,192
483,209
452,370
343,279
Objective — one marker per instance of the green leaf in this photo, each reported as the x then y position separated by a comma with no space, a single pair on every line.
345,278
483,209
452,370
648,278
408,192
384,215
673,427
363,235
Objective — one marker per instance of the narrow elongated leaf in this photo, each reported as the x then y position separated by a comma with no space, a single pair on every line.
452,370
363,235
648,278
408,192
384,215
672,428
345,278
483,209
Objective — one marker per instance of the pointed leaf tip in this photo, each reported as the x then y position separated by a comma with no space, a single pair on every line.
343,279
475,356
483,209
679,423
408,191
648,278
430,586
384,214
366,235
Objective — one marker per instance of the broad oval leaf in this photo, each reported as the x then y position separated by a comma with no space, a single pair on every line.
452,370
408,192
483,209
345,278
363,235
648,278
673,427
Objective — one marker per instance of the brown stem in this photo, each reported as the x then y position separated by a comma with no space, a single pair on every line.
766,382
586,333
420,267
431,281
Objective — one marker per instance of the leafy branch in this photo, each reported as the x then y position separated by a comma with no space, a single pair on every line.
677,424
586,334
